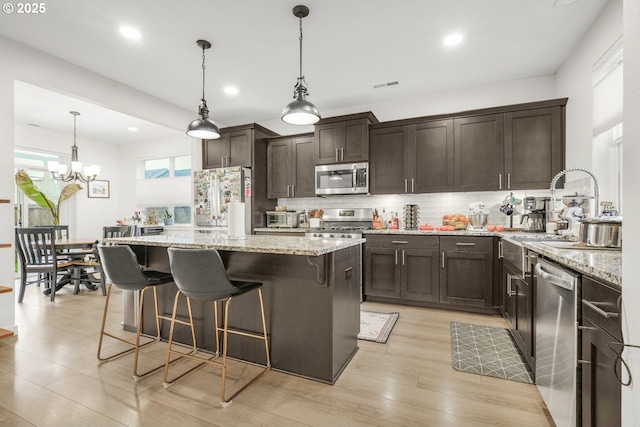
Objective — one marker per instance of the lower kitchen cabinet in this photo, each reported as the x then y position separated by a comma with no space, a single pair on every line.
518,310
439,271
402,267
467,271
600,327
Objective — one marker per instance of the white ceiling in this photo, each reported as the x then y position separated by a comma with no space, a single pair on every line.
349,46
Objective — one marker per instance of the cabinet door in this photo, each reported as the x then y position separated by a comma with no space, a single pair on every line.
466,278
420,279
479,154
387,161
214,153
239,143
431,157
601,391
303,172
279,169
327,146
382,277
534,151
509,299
356,141
523,327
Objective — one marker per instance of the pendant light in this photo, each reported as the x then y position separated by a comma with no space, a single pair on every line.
61,172
300,111
203,127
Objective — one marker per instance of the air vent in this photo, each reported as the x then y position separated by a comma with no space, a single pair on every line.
379,85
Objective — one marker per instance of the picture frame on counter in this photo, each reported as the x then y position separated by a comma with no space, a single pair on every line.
98,189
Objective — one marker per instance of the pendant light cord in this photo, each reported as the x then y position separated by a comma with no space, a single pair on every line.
203,72
300,17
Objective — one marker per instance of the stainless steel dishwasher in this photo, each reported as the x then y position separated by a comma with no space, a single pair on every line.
556,328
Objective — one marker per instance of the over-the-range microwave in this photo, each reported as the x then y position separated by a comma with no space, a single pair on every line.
343,178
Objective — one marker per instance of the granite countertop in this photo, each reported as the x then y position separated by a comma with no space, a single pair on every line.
599,263
285,245
281,230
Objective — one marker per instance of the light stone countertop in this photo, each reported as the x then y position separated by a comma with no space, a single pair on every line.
284,245
601,264
281,230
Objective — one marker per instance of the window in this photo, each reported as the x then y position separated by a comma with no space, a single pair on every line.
608,125
167,167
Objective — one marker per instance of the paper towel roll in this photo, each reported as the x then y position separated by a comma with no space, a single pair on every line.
236,220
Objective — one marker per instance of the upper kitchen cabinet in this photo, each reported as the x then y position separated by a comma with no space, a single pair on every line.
479,154
234,148
343,139
534,146
290,168
413,158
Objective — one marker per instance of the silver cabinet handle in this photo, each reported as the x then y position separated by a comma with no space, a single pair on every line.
396,257
510,285
500,249
442,259
403,257
413,189
400,242
465,244
601,312
337,150
288,189
342,154
500,181
293,190
584,362
222,161
405,185
509,181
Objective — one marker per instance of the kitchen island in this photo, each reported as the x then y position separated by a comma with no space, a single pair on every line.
311,298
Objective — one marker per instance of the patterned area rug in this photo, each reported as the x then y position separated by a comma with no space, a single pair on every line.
487,350
376,326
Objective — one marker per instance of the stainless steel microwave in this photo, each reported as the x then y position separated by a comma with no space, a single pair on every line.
344,178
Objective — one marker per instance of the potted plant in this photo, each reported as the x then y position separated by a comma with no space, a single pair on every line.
26,185
168,217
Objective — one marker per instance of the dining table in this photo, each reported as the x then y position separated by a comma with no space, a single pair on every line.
78,252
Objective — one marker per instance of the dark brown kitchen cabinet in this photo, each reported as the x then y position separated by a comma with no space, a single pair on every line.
601,334
343,139
467,266
518,310
479,154
290,168
533,147
402,268
235,147
414,158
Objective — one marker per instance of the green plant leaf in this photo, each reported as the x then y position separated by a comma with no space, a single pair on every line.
24,183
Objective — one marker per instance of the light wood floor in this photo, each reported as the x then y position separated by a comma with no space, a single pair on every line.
49,376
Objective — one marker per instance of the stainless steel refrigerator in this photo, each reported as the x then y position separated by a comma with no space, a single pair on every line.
214,189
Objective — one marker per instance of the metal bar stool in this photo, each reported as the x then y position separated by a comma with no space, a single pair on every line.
121,268
201,275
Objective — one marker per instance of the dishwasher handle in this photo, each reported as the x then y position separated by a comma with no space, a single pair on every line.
553,279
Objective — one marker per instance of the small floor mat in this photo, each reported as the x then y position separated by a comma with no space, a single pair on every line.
376,326
487,350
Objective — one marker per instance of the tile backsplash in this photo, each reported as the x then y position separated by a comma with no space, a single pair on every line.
431,206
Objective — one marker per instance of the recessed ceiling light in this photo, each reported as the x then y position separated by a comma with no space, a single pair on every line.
130,33
132,129
453,39
231,90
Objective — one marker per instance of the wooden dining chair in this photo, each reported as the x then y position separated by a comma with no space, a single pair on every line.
38,255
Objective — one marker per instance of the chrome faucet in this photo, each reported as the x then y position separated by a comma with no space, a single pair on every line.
564,172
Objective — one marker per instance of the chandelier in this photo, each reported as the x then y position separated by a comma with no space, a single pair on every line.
62,172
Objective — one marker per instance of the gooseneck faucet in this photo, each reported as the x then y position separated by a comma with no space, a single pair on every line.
564,172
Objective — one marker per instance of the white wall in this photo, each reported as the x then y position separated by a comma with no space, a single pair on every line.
631,253
90,214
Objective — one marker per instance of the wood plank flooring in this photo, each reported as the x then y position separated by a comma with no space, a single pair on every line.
49,376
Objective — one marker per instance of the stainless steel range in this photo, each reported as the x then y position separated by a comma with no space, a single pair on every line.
343,224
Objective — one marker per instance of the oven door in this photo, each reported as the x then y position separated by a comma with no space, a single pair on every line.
342,179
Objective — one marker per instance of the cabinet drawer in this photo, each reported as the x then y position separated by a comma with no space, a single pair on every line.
606,298
464,243
400,241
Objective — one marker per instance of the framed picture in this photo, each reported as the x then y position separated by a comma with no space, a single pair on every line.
98,189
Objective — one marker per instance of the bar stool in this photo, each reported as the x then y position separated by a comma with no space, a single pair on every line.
201,275
121,268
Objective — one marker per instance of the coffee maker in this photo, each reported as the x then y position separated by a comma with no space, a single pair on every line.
535,217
